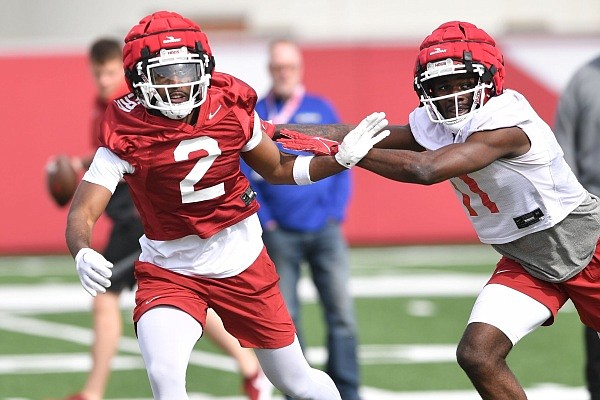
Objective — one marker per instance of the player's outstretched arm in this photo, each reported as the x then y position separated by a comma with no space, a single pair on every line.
429,167
329,131
400,136
279,168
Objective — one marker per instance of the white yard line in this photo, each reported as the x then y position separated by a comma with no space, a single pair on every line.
369,354
36,327
61,362
71,296
16,301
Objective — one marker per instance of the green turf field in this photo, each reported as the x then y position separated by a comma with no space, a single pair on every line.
411,303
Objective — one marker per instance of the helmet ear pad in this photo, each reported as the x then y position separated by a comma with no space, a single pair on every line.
466,43
133,77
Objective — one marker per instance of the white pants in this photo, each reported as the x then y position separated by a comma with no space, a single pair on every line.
167,336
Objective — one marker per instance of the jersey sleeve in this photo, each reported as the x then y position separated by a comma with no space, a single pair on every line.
258,127
504,111
107,169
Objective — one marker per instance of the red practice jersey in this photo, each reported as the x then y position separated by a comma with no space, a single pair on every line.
187,179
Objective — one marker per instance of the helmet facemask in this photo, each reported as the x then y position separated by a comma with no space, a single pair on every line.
459,114
175,82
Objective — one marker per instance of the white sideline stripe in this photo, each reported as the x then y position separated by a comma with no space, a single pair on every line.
72,297
438,285
61,362
375,354
81,362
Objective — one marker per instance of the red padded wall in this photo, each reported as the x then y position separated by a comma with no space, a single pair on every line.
46,107
46,110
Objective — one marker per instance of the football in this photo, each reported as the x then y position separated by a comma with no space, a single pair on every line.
62,179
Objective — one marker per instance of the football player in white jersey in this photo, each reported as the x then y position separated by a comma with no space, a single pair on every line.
521,196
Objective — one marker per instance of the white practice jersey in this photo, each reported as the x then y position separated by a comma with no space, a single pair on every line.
509,198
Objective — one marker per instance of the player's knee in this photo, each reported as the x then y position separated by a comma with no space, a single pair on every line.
298,393
293,385
472,357
165,375
316,385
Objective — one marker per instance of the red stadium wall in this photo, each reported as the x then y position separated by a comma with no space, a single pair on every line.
46,108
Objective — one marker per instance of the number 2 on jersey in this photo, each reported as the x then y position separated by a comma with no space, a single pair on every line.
182,152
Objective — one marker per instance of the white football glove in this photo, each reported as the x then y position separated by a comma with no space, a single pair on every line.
94,270
361,139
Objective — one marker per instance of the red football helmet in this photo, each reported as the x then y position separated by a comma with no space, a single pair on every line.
458,48
168,63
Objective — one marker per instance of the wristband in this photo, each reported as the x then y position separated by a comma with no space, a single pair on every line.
301,170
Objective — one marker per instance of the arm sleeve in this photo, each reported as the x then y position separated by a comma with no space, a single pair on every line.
107,169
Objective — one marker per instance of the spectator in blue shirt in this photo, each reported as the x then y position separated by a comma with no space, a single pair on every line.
303,223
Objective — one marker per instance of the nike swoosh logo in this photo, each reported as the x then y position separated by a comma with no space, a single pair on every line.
212,114
502,270
152,299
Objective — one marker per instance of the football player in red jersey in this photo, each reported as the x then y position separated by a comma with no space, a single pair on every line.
106,61
177,141
509,172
